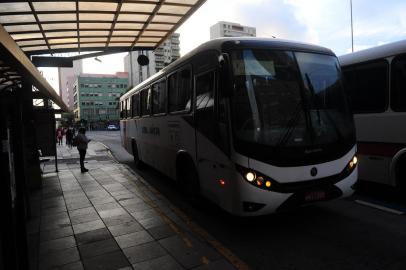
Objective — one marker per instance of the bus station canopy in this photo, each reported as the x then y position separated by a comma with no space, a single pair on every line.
30,28
47,27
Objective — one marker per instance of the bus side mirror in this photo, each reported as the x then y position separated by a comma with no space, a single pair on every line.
225,74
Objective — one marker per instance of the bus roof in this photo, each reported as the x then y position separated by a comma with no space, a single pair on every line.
234,42
374,53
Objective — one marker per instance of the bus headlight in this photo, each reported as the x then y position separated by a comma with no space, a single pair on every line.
353,162
255,178
250,176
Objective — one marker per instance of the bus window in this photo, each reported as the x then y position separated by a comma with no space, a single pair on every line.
122,109
398,100
159,97
179,90
135,105
205,90
146,102
367,86
128,112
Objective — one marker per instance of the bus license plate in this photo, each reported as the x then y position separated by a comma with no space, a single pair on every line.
314,196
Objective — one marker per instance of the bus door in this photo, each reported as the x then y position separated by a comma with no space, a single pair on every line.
210,136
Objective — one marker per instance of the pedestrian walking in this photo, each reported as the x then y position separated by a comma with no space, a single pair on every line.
59,135
81,142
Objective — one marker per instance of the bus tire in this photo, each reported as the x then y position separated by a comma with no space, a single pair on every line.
137,161
188,180
401,174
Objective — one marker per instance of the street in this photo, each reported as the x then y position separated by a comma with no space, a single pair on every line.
365,231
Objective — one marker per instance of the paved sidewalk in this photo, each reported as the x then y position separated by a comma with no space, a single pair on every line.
110,218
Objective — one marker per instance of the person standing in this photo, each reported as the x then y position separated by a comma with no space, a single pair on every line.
81,141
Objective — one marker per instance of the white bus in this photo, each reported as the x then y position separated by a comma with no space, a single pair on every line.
376,84
254,125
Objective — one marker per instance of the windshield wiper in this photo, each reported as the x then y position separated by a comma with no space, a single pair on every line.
290,125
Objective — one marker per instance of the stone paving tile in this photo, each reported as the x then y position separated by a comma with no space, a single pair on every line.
98,248
107,206
127,200
110,261
58,258
70,266
125,228
57,244
160,263
221,264
53,210
137,207
88,226
102,200
144,252
112,212
84,218
151,222
149,213
160,232
56,224
133,239
55,234
82,211
93,236
117,220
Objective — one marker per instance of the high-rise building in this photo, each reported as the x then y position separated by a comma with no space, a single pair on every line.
67,77
158,59
96,98
230,29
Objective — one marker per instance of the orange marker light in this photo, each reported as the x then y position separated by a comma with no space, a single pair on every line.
268,183
260,181
222,182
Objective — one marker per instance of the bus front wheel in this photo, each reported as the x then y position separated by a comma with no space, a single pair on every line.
188,181
137,161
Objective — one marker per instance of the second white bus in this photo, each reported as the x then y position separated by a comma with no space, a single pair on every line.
254,125
376,86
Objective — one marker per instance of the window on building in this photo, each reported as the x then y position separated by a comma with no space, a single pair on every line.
367,86
398,91
159,97
146,102
205,85
180,90
136,105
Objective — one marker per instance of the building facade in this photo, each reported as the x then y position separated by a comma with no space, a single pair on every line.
96,98
165,54
67,78
230,29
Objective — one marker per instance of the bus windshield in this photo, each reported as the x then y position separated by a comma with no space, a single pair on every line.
285,99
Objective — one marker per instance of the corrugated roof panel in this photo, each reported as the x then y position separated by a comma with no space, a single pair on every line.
122,39
95,17
61,34
54,6
137,7
15,7
26,36
94,33
22,28
125,33
56,26
35,48
93,45
57,17
166,19
17,18
180,10
62,40
93,39
132,17
103,6
129,25
98,26
64,46
31,42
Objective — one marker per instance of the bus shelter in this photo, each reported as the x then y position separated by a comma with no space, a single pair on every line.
31,33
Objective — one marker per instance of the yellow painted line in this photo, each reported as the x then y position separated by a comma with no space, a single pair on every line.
196,229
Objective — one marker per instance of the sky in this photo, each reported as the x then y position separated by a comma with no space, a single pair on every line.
322,22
